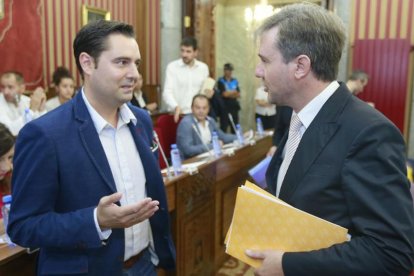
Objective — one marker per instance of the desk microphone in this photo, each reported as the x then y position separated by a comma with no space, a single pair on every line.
232,122
157,141
201,139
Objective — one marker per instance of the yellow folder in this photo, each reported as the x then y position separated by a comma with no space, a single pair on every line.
263,222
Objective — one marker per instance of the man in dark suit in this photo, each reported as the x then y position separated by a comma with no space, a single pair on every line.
341,160
283,115
87,189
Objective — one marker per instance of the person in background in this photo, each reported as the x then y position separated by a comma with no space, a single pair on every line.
139,99
6,160
342,160
283,115
184,78
228,88
64,87
265,110
86,187
14,104
190,142
357,81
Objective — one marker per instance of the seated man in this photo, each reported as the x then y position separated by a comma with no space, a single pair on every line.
191,142
13,104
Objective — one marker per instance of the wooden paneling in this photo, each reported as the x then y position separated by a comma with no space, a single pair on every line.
61,20
148,37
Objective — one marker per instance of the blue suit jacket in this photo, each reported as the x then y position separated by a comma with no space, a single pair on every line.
188,141
61,172
349,168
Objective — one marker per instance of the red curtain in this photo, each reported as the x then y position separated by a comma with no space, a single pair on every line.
21,40
386,61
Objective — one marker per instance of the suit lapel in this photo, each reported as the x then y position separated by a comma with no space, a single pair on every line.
146,155
315,138
91,142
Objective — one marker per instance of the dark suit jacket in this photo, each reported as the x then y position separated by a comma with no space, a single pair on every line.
134,100
349,168
283,116
61,172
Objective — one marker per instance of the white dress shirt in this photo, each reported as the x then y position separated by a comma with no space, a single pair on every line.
52,103
182,83
261,110
13,115
127,171
306,116
205,132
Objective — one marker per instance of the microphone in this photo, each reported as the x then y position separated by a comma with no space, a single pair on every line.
232,122
201,139
157,141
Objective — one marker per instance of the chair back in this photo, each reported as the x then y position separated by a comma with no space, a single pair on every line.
166,130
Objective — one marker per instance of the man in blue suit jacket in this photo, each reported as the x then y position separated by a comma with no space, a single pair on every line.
189,139
349,163
87,189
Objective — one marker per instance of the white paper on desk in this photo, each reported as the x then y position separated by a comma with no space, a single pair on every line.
187,167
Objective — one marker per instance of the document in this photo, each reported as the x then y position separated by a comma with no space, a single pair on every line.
263,222
208,84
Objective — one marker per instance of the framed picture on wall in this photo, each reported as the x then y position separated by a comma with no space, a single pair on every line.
1,9
91,14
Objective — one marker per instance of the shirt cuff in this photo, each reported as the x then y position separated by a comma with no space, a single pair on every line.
103,234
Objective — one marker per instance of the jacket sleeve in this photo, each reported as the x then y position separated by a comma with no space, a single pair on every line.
186,142
379,204
33,220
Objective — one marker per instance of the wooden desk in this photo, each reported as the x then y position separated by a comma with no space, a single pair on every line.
201,207
204,204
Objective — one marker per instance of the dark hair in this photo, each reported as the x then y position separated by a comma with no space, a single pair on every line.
228,66
358,75
200,96
189,42
16,74
309,29
6,140
92,38
59,74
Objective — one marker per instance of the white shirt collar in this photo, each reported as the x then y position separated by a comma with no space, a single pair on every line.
181,63
309,112
125,116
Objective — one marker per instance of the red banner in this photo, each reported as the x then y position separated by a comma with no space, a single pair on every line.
21,40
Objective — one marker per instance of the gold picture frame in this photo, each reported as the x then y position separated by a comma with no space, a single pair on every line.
1,9
91,14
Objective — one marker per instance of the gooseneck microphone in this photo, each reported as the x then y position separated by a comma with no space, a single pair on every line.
232,122
157,141
201,139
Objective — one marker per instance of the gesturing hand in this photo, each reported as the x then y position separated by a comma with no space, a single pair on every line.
110,215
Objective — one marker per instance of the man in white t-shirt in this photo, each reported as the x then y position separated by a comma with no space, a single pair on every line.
184,79
13,104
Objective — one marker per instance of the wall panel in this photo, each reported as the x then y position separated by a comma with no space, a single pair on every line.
62,20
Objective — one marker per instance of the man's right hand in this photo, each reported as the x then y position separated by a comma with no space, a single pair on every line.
110,215
38,99
177,114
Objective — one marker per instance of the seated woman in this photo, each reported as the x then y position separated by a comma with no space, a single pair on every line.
195,130
64,87
6,157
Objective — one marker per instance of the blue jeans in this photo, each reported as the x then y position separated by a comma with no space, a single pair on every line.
144,267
